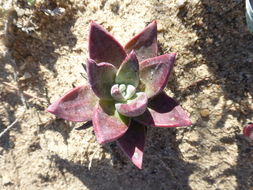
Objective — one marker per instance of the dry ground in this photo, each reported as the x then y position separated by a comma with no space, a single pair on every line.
41,55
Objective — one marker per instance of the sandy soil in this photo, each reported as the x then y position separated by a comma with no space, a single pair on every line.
41,55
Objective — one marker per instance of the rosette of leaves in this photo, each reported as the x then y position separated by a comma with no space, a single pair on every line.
124,95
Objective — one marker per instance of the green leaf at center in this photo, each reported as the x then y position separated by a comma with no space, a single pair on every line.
128,72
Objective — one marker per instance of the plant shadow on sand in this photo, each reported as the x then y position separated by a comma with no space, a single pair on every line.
227,47
163,166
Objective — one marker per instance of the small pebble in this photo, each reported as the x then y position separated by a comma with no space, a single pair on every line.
204,113
180,3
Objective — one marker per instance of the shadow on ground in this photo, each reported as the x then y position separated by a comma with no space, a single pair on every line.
244,168
31,38
163,167
227,47
244,164
58,125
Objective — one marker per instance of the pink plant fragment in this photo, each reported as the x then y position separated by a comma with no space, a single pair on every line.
101,77
132,143
155,73
103,47
248,131
133,107
164,112
76,105
108,124
128,73
144,43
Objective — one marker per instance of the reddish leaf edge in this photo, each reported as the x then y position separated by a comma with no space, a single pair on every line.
170,61
100,130
53,108
137,146
139,35
152,107
93,23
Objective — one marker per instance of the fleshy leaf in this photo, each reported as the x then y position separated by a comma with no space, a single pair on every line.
103,47
132,143
129,92
163,111
154,73
248,131
108,124
128,72
116,93
144,43
101,78
122,92
75,105
133,107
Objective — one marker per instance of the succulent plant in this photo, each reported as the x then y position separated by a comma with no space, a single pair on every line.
248,131
124,94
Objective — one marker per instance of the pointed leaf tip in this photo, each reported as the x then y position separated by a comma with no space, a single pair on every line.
108,124
163,111
75,105
103,47
154,73
101,78
128,72
132,143
144,43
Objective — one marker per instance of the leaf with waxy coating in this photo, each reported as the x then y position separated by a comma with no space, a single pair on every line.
75,105
163,111
133,107
124,92
132,143
108,124
128,72
103,47
144,43
101,78
154,73
116,93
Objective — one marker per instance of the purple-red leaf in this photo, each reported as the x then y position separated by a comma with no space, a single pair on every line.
101,78
154,73
128,72
248,131
132,143
103,47
133,107
144,43
108,124
163,111
76,105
